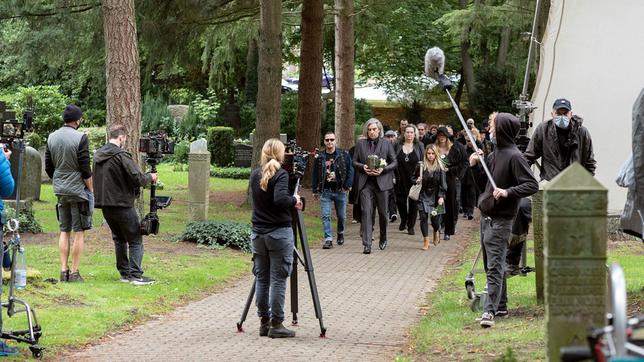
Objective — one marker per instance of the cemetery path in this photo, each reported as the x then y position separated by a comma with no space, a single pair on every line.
369,302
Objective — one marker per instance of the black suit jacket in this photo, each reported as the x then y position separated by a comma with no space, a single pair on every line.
384,150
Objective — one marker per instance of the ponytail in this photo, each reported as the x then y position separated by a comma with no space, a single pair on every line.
272,154
268,171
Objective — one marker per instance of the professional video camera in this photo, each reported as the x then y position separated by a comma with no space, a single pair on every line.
295,161
10,128
525,107
155,145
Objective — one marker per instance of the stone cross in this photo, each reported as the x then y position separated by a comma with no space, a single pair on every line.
198,180
537,231
575,238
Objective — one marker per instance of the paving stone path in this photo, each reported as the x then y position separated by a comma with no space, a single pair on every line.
369,302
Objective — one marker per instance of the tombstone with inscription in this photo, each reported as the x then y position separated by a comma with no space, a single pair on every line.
243,155
198,180
575,238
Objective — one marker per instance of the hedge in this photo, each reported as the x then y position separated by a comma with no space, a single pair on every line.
239,173
218,234
220,145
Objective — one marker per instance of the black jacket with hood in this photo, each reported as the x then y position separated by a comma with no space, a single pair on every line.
117,179
544,144
509,170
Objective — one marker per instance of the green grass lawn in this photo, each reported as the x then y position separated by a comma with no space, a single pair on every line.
448,330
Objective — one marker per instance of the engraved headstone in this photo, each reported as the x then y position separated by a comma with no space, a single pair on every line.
31,174
537,231
243,155
198,180
575,238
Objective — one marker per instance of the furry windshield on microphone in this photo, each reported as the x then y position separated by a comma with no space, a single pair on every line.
434,62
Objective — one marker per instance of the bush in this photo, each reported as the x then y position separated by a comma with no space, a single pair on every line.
97,137
203,113
35,140
27,220
288,114
247,116
220,145
239,173
181,151
48,104
156,116
182,96
218,234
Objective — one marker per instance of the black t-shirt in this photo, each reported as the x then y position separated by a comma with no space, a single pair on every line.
564,144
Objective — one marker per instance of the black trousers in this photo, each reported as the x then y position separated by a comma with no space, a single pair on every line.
451,203
392,203
128,242
407,209
370,198
468,196
436,222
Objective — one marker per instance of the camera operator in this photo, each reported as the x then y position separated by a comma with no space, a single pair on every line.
272,238
561,141
498,207
118,181
7,186
67,165
332,179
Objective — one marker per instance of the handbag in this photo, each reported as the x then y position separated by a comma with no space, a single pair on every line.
414,191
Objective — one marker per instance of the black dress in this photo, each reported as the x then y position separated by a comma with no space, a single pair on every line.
404,180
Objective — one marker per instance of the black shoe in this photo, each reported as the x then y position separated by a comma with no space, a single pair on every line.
487,320
470,217
501,313
277,330
265,325
141,281
382,244
401,227
328,244
75,277
367,250
393,218
64,275
446,237
410,231
340,240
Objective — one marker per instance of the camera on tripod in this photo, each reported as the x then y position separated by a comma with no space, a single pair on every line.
295,162
525,107
10,128
155,145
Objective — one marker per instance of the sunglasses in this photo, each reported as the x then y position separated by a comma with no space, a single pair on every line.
329,139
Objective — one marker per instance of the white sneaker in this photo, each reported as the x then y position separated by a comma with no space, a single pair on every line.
487,320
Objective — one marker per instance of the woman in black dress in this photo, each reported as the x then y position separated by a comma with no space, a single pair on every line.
408,153
453,157
432,193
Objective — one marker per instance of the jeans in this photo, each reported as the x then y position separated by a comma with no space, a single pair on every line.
495,232
126,234
340,200
272,265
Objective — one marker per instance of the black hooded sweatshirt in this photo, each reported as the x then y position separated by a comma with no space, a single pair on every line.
509,170
117,179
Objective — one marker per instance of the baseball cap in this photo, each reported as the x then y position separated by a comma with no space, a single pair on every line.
562,103
390,133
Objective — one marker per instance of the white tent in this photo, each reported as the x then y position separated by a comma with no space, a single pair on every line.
593,54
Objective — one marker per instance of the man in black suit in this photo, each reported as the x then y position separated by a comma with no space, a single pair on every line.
373,183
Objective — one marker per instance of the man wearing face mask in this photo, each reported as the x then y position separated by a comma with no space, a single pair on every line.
67,165
561,141
118,182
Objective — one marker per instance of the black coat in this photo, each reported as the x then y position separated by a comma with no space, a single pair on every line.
434,187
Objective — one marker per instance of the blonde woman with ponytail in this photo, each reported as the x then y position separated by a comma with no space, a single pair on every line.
272,240
432,193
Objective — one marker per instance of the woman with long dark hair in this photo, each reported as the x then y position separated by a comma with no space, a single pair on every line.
432,193
453,157
272,238
408,153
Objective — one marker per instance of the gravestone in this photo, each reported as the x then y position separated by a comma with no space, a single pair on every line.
243,155
43,174
31,178
575,238
198,180
178,112
537,231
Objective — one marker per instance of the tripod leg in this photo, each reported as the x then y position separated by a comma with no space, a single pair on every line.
294,294
244,314
308,267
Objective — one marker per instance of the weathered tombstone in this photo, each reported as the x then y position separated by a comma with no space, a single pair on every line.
243,155
574,229
537,231
31,174
178,112
43,174
198,180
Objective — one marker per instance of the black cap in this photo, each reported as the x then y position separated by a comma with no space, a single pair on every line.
72,113
562,103
442,130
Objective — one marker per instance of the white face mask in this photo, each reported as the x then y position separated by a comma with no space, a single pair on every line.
493,138
562,121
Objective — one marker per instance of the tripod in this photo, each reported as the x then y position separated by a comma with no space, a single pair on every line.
305,258
33,333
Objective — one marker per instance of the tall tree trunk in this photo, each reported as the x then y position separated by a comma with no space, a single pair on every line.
468,64
502,52
345,113
123,77
269,70
309,99
250,91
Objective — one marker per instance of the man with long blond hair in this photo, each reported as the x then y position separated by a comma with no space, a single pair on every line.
272,241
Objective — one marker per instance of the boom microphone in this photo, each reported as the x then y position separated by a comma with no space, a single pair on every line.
434,62
435,67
